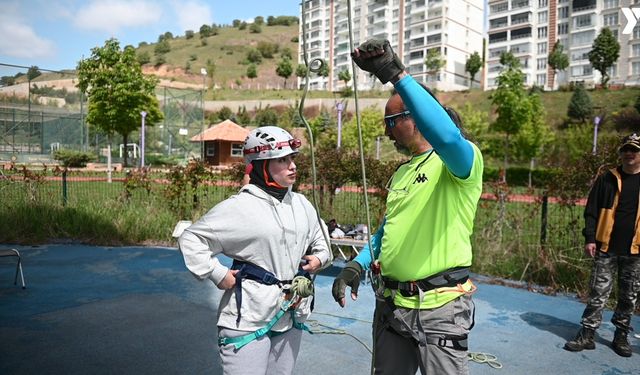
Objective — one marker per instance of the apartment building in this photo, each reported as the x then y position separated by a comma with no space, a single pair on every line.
530,28
413,27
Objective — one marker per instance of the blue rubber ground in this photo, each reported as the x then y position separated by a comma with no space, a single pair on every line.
136,310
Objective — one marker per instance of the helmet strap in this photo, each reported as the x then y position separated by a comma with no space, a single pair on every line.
261,177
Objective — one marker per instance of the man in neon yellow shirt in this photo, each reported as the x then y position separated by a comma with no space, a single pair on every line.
422,250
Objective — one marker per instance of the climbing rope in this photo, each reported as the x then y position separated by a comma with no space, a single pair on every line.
487,358
314,66
333,331
302,286
359,126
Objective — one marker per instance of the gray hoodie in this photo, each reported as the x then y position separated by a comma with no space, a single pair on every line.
253,226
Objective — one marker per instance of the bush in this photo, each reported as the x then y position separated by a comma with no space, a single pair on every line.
162,160
74,159
519,176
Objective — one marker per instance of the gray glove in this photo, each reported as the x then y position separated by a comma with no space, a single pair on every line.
349,276
385,64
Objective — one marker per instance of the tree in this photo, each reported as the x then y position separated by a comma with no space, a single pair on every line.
205,31
472,66
162,47
189,34
255,28
509,61
580,106
259,20
301,71
7,81
267,49
370,123
33,72
286,52
558,60
512,105
211,71
284,70
605,51
236,23
434,61
324,69
254,56
534,135
476,123
252,71
144,58
345,77
117,90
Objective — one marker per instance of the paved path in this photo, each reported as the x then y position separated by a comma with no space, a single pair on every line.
136,310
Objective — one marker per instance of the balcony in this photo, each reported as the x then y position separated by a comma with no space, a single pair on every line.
520,4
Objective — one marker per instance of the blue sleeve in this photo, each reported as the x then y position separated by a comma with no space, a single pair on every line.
437,127
364,258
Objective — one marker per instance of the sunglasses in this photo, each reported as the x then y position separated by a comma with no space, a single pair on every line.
390,121
629,149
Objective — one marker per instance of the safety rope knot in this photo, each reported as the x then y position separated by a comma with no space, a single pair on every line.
302,286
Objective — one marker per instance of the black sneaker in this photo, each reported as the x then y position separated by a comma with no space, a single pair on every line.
583,340
620,344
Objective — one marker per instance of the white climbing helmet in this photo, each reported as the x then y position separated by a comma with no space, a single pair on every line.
269,142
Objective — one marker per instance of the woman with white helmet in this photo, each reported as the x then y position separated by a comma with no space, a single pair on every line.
273,236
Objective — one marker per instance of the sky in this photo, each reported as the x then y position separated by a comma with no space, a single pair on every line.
56,34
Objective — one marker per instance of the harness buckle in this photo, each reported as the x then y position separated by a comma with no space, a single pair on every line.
409,289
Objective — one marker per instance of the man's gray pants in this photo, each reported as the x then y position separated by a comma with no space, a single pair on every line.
601,284
397,353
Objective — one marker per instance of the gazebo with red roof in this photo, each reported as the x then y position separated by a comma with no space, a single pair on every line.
223,143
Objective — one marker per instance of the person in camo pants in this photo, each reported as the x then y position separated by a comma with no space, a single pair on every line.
612,238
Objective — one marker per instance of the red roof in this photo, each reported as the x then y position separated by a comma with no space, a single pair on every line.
227,130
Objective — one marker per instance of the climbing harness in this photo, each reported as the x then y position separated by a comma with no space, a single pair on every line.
250,271
295,290
446,279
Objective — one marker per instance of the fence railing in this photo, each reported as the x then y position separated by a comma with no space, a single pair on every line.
526,237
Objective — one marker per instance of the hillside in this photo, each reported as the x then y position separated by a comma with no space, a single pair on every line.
228,51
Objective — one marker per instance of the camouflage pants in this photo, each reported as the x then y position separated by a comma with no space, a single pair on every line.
601,284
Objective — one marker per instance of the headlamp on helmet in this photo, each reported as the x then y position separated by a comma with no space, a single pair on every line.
269,142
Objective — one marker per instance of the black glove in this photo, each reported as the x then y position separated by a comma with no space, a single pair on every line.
350,275
385,66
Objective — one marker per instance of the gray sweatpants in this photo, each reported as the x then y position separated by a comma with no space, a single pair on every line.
267,355
397,353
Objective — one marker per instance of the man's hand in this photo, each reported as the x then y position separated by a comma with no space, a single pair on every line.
349,276
376,56
590,249
229,280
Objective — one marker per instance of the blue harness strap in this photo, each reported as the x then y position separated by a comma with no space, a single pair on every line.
250,271
240,341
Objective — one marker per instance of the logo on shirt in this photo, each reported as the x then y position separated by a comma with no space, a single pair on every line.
420,178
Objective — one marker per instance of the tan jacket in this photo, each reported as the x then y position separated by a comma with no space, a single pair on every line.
606,215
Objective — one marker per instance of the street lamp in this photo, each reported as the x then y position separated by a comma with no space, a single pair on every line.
339,107
203,72
143,114
596,121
